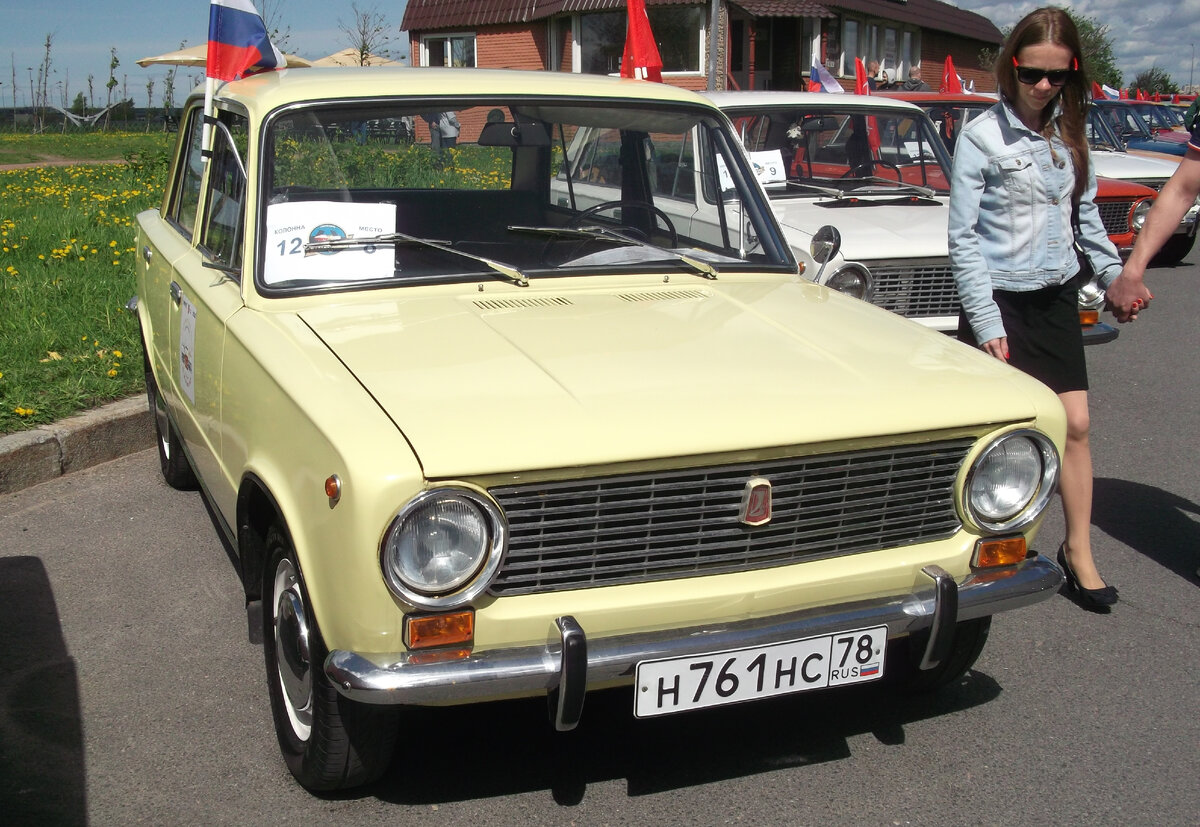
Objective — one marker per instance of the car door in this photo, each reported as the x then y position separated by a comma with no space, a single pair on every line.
204,293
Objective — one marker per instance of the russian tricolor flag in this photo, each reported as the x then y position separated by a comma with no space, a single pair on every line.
237,41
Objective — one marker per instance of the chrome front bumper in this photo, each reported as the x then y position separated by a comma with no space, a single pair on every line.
571,664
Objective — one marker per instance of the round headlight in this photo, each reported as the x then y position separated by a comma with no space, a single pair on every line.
1011,482
440,542
1137,218
853,281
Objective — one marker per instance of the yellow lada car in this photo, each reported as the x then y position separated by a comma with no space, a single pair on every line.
472,439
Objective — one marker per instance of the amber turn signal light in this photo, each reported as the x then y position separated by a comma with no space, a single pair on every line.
430,631
1089,318
1007,551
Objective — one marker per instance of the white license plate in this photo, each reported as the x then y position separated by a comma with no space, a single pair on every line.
680,684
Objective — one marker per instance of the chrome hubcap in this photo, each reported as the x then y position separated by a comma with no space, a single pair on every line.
292,655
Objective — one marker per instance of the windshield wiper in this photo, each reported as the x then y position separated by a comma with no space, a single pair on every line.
800,185
510,272
702,268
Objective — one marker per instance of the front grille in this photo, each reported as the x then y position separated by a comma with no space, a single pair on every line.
672,524
915,289
1115,215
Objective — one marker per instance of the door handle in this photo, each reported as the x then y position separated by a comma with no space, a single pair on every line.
176,293
147,253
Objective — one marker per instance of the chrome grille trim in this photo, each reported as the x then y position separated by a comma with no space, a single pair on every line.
1115,215
1152,183
914,288
678,523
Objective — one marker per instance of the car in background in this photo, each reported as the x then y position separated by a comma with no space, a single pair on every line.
1112,160
1131,128
471,435
1123,204
1160,118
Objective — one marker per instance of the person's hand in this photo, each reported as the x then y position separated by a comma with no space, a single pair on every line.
1127,296
997,348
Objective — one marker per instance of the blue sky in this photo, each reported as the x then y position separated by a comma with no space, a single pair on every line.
1146,33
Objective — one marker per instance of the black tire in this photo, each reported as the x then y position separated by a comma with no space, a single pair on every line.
1174,250
176,469
328,741
905,657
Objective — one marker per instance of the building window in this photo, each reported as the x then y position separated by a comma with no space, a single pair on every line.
895,46
448,50
679,33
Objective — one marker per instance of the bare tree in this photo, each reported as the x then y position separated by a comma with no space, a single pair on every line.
271,12
111,83
149,101
369,34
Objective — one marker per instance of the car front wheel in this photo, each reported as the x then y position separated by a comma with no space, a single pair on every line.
328,741
1174,250
905,657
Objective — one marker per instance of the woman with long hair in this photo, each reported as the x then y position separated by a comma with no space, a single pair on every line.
1024,232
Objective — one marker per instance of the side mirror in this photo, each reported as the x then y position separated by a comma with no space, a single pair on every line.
825,245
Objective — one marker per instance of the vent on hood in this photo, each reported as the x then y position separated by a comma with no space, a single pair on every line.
520,304
662,295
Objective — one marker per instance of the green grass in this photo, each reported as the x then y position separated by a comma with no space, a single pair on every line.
23,148
66,271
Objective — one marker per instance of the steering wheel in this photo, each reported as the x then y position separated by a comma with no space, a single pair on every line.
580,217
867,169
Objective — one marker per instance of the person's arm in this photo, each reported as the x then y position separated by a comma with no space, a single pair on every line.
972,277
1176,198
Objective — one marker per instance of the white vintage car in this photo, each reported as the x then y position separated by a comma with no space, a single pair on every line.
472,436
872,167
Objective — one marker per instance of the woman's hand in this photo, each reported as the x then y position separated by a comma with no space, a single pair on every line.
997,348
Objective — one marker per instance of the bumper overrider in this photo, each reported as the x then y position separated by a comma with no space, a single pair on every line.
570,664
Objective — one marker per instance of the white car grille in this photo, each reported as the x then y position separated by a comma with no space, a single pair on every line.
914,288
672,524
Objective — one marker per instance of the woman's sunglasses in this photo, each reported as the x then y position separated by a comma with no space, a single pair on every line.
1031,77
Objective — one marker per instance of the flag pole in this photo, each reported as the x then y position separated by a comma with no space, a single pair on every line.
210,88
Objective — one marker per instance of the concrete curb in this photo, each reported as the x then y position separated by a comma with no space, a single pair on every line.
99,435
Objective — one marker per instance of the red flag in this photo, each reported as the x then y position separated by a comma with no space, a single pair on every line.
861,87
641,58
1124,93
951,83
1098,92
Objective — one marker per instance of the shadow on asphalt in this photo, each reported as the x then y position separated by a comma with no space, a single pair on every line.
505,748
42,773
1162,526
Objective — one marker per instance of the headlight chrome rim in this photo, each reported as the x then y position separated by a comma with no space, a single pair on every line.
837,279
473,582
1043,490
1137,216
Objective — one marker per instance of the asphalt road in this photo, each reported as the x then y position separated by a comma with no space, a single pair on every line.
129,691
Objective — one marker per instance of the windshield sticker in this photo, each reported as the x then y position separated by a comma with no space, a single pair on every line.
292,226
768,166
187,348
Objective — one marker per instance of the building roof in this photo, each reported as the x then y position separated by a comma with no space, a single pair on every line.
426,15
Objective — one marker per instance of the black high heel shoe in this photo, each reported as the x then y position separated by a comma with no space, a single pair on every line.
1089,598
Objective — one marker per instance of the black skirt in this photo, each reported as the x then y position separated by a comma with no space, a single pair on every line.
1045,339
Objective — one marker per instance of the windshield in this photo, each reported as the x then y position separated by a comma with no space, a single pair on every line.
845,149
462,190
950,117
1154,115
1100,131
1126,121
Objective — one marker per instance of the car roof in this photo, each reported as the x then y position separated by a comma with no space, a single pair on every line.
948,97
267,91
764,99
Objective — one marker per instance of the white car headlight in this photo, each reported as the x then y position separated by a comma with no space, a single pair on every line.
1011,482
1138,217
853,281
443,547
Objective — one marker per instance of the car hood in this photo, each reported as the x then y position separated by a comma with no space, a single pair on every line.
548,378
1111,164
870,227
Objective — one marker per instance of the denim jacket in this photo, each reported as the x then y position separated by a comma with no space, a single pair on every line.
1010,217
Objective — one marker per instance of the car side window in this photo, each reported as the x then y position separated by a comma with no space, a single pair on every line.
185,200
221,229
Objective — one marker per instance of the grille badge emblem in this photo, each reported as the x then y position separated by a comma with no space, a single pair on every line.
756,502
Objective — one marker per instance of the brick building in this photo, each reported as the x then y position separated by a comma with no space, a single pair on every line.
760,44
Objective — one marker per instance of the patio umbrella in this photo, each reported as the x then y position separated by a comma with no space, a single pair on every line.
197,56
